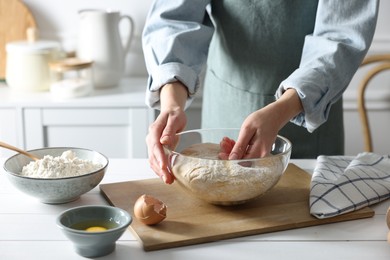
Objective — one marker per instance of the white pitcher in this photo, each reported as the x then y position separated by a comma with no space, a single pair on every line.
100,41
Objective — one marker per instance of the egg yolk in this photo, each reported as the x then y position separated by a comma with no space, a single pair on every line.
96,229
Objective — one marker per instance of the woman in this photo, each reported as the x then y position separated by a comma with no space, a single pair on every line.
273,67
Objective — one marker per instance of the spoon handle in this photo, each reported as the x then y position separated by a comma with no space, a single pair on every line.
8,146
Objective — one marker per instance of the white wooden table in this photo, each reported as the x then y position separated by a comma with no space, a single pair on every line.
28,230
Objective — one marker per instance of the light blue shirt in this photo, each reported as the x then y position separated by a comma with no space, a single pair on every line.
176,41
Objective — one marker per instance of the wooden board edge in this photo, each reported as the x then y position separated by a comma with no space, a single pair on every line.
362,213
29,17
105,196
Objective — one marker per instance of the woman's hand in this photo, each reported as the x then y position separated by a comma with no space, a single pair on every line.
225,147
259,130
162,131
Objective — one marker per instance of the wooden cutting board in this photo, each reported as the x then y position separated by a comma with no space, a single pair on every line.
15,18
191,221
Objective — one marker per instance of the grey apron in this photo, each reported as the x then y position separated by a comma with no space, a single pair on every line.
256,45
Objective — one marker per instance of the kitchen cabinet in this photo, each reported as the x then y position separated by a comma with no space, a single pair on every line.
112,121
115,121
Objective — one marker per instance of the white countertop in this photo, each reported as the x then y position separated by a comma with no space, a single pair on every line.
129,91
28,230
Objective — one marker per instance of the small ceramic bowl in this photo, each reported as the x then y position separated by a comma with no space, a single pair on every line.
55,190
108,224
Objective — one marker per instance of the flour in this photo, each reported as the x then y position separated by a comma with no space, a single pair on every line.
223,180
66,165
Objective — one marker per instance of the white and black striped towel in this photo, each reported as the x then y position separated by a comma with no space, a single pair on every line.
342,184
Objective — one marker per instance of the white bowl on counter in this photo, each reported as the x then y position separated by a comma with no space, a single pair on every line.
55,190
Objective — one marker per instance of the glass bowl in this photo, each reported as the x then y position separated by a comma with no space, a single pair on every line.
198,170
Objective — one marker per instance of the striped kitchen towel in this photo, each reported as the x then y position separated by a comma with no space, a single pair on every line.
342,184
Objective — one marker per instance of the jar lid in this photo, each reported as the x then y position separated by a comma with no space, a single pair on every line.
70,64
32,47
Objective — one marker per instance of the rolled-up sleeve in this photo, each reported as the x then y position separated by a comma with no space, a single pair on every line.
175,44
331,55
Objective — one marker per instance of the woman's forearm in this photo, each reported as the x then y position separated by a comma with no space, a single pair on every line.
286,107
173,96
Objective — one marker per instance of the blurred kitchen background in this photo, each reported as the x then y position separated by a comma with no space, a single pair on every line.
115,120
59,20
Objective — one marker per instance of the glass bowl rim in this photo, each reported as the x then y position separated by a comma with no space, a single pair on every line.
287,141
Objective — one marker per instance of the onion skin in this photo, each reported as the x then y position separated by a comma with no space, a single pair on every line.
149,210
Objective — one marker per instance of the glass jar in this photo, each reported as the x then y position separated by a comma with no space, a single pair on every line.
71,78
27,67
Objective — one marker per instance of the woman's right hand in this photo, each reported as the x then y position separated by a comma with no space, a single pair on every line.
162,132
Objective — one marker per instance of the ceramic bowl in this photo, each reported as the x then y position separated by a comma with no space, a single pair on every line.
74,222
224,182
55,190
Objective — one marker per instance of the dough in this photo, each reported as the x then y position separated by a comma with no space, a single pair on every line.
223,181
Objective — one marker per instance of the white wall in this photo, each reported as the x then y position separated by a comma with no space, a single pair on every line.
58,19
378,95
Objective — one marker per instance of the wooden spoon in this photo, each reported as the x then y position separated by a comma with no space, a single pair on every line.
8,146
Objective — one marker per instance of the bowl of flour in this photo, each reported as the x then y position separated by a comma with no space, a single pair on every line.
62,174
200,171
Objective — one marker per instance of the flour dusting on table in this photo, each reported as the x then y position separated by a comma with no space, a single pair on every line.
66,165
